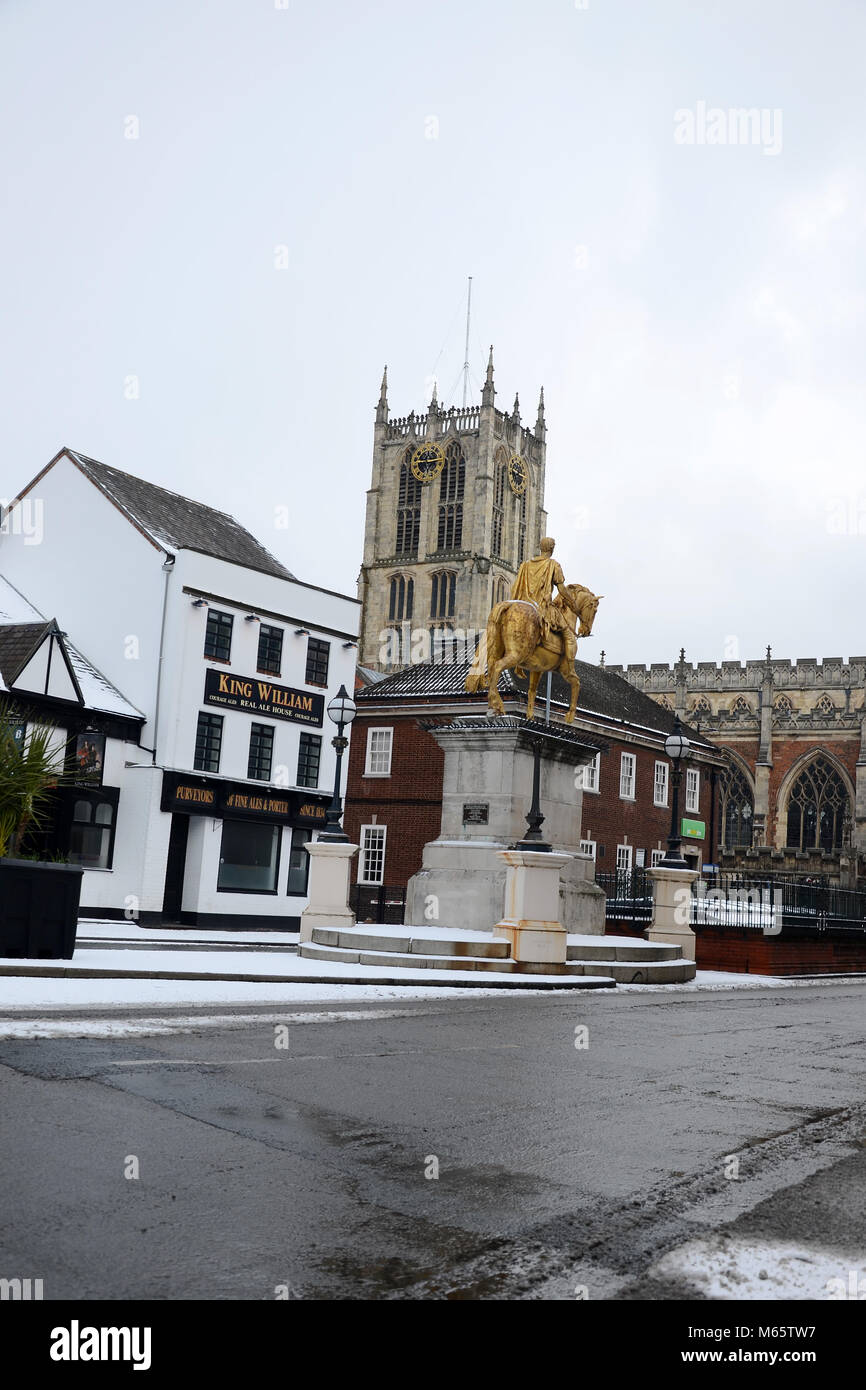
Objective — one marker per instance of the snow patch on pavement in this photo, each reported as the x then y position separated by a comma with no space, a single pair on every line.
730,1267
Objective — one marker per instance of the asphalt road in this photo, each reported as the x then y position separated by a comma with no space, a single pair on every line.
302,1171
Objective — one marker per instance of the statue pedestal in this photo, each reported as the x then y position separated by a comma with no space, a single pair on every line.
486,792
330,866
531,921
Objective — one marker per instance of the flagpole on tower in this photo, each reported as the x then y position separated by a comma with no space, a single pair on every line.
466,351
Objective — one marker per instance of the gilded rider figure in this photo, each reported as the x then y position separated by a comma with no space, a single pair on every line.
535,583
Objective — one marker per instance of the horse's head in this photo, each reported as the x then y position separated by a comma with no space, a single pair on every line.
585,604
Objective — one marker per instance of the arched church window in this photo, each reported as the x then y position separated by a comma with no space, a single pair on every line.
451,488
736,807
817,807
825,707
500,591
521,528
783,708
499,470
408,508
741,708
443,593
701,708
401,598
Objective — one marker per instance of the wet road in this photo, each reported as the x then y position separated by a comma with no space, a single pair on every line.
309,1170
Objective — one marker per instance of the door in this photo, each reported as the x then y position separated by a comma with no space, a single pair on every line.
175,867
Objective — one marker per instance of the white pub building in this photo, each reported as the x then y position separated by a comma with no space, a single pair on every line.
231,660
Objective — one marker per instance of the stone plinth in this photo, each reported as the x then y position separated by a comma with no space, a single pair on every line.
531,919
330,866
486,792
672,891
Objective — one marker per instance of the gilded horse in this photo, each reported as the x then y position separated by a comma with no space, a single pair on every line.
516,641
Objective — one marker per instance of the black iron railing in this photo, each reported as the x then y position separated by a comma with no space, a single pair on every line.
378,902
777,905
629,895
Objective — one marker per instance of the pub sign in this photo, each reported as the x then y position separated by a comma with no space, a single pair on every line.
257,696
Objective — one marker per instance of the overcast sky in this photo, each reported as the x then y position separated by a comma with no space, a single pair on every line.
694,310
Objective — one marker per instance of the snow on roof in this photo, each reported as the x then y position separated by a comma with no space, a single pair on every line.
17,612
98,692
14,607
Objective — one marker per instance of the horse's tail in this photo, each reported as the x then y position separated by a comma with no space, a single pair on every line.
486,652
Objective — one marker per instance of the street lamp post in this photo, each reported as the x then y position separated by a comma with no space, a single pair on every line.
341,711
533,839
678,749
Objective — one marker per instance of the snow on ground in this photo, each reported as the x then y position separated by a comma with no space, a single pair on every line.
130,931
729,1267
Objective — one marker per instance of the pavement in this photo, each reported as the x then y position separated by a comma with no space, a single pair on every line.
651,1144
164,967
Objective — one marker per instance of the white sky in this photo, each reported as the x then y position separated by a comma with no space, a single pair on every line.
702,355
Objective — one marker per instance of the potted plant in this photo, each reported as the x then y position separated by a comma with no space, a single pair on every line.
38,900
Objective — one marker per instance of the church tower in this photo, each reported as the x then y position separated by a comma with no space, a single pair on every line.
456,502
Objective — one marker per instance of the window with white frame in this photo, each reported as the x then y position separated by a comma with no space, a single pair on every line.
660,785
587,776
623,857
626,776
639,858
588,847
371,860
693,789
656,857
379,745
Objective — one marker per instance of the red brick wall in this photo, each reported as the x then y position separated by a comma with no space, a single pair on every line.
409,802
611,821
751,953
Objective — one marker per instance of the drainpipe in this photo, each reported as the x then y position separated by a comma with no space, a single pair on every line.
168,567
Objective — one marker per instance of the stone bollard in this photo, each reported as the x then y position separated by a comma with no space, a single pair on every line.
672,890
330,866
531,919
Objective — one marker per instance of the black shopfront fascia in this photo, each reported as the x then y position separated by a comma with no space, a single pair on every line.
195,795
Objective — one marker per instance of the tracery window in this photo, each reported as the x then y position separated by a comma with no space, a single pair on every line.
451,488
499,470
443,594
736,807
818,805
401,598
521,528
408,508
825,707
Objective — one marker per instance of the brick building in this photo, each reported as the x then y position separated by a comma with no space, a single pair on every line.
794,796
395,769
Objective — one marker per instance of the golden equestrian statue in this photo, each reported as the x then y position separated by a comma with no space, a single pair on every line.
533,631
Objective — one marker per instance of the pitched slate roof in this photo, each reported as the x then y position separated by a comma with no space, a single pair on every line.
18,642
601,693
179,523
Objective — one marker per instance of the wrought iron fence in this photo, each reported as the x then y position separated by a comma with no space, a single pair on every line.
629,895
378,902
777,904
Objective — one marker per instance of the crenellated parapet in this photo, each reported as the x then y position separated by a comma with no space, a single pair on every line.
830,673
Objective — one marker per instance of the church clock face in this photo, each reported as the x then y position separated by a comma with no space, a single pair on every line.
428,461
518,474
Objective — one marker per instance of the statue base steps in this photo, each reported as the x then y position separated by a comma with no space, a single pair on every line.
612,959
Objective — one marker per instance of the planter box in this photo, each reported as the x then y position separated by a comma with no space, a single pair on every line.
38,909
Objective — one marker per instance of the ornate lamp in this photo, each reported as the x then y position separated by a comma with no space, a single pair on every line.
341,711
679,749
